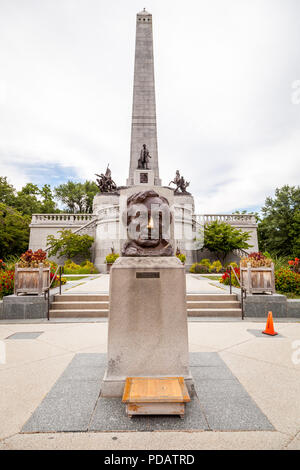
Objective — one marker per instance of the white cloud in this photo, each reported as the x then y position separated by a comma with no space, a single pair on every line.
224,74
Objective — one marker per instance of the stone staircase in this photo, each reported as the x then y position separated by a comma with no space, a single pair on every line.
97,305
79,306
213,305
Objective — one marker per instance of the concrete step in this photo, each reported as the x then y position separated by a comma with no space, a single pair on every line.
192,304
97,305
86,305
214,312
81,298
211,297
73,313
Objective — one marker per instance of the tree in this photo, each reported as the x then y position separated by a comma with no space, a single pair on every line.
27,201
14,231
279,229
221,238
69,244
7,192
48,204
78,197
91,189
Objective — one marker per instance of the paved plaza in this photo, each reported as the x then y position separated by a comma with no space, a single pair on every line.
247,384
100,284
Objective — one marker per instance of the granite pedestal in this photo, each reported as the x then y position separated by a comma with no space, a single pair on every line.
147,335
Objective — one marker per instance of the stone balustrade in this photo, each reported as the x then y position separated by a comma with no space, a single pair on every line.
112,212
62,219
108,212
233,219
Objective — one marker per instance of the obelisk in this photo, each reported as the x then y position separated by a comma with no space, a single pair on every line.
143,127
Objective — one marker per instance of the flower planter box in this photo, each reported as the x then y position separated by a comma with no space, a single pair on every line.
32,280
108,267
258,280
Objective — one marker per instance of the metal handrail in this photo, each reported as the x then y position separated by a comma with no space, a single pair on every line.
243,290
59,268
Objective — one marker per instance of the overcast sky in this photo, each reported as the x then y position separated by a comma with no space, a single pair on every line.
224,71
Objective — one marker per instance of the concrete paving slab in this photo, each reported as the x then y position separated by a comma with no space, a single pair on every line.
77,336
263,367
205,359
294,444
274,388
73,402
260,334
25,335
110,415
70,403
246,440
24,386
228,407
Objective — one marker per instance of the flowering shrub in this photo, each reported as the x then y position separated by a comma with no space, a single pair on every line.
7,282
199,268
31,259
2,264
182,257
225,279
111,258
215,267
84,268
287,280
56,277
256,260
294,265
205,262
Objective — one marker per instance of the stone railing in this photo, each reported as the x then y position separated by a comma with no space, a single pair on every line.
112,212
61,219
108,213
233,219
88,228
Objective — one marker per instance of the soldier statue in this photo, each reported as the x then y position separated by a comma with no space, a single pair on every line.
105,182
143,161
180,183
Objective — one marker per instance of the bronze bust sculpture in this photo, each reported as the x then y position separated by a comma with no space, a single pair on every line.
148,220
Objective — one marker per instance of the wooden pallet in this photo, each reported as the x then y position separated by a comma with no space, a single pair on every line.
155,396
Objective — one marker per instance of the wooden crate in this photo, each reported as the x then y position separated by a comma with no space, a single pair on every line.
158,396
32,280
258,280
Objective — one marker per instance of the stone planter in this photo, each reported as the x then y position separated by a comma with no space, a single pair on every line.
32,280
108,267
258,280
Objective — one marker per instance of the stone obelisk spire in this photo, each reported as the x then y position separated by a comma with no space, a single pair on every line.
143,128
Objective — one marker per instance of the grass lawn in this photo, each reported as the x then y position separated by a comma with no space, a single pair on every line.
289,295
212,278
73,278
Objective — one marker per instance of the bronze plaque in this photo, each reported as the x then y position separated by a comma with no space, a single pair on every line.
144,178
147,275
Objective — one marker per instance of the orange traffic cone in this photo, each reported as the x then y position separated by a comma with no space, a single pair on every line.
269,326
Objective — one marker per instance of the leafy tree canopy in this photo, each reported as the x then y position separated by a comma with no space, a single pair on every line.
14,231
69,244
279,229
29,200
77,197
7,192
221,238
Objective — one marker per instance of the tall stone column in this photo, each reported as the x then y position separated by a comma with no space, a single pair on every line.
143,128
